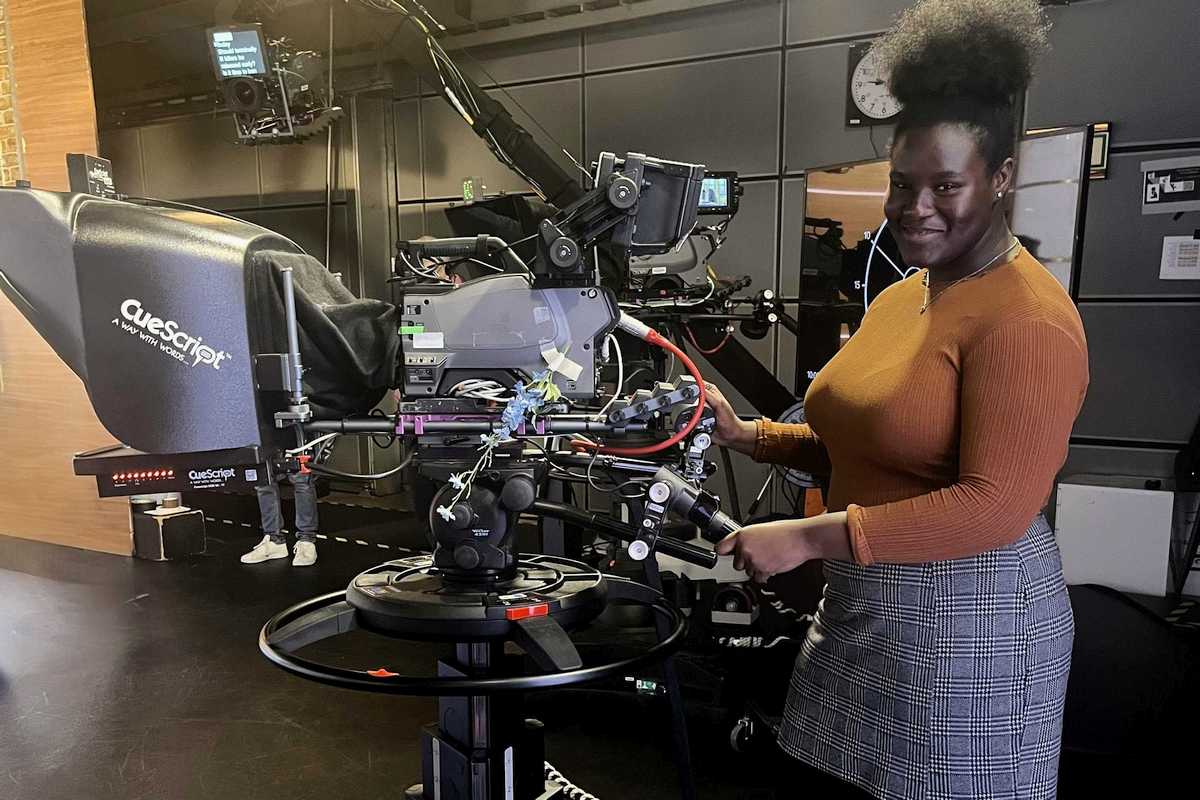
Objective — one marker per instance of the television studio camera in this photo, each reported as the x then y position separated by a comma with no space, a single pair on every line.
247,355
274,91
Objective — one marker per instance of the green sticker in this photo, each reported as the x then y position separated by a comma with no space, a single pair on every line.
411,329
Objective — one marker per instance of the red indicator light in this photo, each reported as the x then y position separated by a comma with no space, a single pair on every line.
382,672
170,473
116,477
524,612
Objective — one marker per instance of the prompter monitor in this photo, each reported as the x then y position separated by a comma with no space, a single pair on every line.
238,51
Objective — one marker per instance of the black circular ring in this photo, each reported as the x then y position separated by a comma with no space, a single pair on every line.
431,687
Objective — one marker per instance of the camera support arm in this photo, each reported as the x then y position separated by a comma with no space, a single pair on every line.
491,121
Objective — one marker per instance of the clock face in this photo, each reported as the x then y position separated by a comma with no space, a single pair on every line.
868,89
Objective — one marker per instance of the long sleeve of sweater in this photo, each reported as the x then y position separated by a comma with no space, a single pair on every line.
796,446
1021,389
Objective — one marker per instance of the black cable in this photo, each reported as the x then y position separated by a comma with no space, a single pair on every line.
391,440
546,453
517,242
589,479
335,473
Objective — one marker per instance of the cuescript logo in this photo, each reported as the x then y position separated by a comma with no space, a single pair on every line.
220,473
175,342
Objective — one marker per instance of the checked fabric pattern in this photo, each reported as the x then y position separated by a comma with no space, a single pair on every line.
940,680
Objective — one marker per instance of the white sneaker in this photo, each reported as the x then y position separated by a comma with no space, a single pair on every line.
306,554
265,550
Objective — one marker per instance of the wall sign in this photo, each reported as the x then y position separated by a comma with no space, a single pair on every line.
1180,259
1171,185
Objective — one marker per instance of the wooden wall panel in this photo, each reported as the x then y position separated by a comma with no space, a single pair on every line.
53,80
45,415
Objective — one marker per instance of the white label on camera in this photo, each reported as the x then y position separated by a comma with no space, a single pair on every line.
429,341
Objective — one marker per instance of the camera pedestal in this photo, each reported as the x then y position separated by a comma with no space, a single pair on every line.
482,747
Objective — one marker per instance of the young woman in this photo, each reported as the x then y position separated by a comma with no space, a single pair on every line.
937,664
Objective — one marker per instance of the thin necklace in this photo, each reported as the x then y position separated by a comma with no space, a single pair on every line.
929,300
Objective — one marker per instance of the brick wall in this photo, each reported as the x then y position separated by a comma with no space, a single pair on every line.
10,160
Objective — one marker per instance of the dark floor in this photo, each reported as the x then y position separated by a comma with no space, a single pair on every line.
122,678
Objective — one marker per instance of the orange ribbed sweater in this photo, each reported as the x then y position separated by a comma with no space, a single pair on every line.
942,432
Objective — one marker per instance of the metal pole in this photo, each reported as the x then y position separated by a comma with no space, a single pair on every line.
289,305
329,154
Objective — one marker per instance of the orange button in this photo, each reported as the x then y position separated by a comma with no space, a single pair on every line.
524,612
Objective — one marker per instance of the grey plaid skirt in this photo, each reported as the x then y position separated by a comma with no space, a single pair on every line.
940,680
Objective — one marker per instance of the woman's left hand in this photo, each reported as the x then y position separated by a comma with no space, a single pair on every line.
771,548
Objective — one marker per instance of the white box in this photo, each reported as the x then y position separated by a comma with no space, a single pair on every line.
1115,536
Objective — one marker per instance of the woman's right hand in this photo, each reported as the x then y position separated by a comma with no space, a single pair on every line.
730,431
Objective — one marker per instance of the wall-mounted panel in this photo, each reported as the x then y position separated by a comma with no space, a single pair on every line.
436,223
722,113
753,234
1129,63
713,31
1140,462
123,147
789,271
815,132
452,151
1145,371
306,227
372,177
791,235
542,58
762,349
406,122
817,20
295,173
410,220
1122,249
404,80
196,158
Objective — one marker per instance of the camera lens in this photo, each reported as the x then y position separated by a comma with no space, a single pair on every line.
244,93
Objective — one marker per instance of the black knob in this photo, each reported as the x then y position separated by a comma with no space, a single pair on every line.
622,192
518,493
564,253
467,557
460,517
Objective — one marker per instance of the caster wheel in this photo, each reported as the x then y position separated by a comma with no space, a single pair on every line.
741,735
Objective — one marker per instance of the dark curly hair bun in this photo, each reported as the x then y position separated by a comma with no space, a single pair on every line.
984,49
964,61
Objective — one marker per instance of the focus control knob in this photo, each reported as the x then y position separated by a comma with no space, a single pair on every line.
461,517
467,557
622,192
564,253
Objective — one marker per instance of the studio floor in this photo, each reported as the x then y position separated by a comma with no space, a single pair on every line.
122,678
